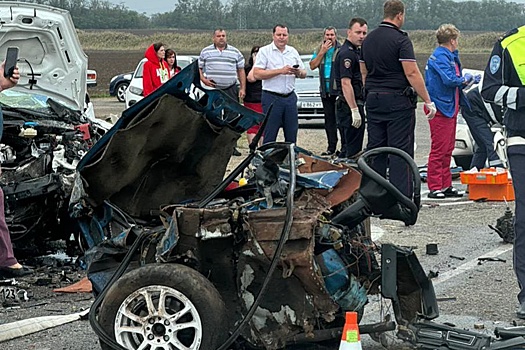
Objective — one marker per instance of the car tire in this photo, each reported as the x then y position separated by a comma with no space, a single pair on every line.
193,315
121,91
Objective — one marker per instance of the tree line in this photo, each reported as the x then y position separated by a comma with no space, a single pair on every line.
485,15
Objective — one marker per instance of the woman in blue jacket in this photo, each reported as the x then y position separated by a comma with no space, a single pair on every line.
445,83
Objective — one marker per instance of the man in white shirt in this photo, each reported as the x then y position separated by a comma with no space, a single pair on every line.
277,65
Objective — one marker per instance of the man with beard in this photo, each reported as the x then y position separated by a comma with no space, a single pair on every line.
323,59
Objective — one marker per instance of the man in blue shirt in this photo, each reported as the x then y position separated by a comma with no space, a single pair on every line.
323,58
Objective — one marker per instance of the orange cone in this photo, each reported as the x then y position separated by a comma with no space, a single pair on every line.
351,340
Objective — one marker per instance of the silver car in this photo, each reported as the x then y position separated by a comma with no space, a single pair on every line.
309,104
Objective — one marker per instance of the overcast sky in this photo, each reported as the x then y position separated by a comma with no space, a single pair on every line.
161,6
148,6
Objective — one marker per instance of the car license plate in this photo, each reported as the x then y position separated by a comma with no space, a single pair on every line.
311,105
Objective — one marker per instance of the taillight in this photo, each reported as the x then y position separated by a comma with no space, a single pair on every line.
92,76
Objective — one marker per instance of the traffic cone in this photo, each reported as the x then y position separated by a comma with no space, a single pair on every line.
351,340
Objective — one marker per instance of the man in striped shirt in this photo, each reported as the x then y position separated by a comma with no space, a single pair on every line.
220,66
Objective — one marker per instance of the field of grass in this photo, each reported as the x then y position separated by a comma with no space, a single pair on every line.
114,52
304,41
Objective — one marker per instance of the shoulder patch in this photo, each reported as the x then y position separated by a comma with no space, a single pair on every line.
347,62
494,64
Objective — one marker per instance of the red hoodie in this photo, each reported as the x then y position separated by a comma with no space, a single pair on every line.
155,72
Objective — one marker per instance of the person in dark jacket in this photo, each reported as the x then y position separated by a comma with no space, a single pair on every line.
392,83
156,71
350,113
480,117
252,100
445,83
504,85
9,266
323,58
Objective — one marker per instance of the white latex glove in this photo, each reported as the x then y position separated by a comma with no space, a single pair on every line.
356,118
431,107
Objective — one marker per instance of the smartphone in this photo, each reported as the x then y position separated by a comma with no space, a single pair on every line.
295,66
10,61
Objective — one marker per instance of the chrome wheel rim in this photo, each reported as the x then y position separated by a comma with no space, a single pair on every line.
158,317
121,92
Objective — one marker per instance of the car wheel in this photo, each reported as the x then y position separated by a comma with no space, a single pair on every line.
121,92
166,306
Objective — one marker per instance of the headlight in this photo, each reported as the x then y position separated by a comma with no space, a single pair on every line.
135,90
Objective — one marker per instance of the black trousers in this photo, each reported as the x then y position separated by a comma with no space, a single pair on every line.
233,92
516,156
330,125
391,121
351,138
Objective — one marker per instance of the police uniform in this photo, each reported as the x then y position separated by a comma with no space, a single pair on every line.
346,65
390,100
504,85
479,117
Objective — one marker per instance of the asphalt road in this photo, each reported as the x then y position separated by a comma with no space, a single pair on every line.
469,293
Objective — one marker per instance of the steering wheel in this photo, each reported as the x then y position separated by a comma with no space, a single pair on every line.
377,196
383,198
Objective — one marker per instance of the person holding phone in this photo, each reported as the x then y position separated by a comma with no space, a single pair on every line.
323,58
9,266
275,67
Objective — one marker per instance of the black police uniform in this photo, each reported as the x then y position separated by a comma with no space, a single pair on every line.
390,100
346,65
504,84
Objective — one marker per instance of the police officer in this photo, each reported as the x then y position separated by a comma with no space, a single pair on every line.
480,117
504,85
349,105
323,58
392,82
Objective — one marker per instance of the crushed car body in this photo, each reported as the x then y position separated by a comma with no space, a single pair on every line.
184,255
48,123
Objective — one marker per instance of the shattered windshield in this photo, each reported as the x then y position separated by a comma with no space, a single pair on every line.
26,101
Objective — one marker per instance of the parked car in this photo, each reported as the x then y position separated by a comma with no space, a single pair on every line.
118,85
134,92
49,123
309,104
91,78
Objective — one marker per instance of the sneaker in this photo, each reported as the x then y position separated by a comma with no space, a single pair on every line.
453,192
328,153
437,194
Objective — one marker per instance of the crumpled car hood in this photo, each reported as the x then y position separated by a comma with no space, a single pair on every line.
51,60
165,149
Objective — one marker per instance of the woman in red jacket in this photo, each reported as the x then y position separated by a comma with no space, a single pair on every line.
156,70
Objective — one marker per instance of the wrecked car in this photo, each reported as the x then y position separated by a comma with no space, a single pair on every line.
186,255
49,123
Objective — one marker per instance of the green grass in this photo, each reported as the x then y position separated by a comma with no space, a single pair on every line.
304,41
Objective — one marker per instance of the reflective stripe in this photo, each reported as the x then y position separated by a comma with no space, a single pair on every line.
498,99
490,111
515,141
495,162
511,97
515,45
